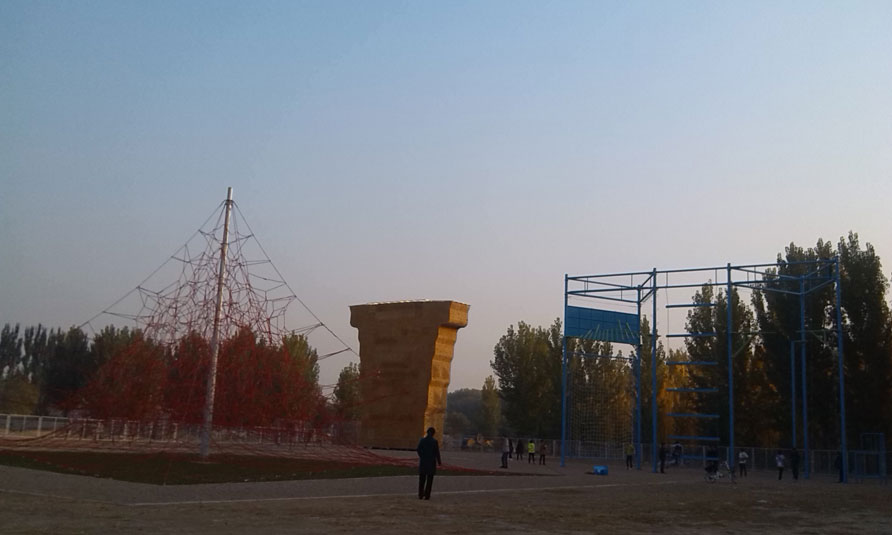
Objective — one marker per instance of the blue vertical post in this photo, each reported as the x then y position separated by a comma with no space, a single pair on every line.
842,387
638,390
564,382
729,333
793,399
653,374
802,351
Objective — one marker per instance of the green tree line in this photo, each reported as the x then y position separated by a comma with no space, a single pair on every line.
527,361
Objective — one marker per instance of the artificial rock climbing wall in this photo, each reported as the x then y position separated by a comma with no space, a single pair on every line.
405,352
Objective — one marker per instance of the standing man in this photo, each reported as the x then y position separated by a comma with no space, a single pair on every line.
630,455
662,457
794,463
506,451
531,451
742,458
428,458
779,462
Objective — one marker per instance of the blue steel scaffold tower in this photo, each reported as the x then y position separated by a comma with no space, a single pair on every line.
634,289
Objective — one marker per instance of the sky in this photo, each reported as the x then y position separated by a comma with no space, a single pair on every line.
472,151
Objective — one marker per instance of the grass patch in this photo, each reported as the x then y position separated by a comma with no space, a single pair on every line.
189,469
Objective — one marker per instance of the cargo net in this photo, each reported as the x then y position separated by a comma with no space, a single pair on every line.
600,405
148,390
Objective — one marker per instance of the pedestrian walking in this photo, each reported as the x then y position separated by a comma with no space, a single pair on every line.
630,454
742,458
779,460
428,458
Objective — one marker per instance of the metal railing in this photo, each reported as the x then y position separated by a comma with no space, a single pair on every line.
862,464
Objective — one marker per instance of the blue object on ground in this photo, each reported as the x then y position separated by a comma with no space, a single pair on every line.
599,470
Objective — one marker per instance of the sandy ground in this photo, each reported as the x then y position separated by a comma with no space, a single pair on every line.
539,499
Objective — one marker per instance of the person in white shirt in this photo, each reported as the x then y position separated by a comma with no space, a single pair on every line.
742,458
779,461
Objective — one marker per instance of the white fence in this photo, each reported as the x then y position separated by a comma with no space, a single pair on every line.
30,426
18,426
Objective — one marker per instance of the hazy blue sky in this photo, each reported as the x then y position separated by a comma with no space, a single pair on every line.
409,150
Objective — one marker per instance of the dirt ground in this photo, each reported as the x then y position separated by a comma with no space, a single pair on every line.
539,499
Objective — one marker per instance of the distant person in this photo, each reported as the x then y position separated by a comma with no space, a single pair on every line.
543,451
531,451
630,455
506,451
676,454
519,449
742,458
662,457
510,448
794,463
712,460
779,460
428,458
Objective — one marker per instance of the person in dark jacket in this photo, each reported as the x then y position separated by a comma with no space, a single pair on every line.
794,463
428,458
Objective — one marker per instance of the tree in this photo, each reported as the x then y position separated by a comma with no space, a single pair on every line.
110,341
347,394
662,371
131,383
527,363
777,311
463,408
708,324
68,369
185,393
867,328
457,424
490,408
10,349
18,395
305,357
37,352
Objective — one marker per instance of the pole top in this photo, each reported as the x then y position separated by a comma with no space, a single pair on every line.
229,193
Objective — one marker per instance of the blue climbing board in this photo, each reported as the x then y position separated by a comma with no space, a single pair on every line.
601,325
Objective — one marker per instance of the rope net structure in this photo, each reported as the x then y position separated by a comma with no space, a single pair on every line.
600,405
150,390
255,296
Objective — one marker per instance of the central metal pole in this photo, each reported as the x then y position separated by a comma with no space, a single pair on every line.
564,422
208,420
637,361
793,387
844,450
730,346
802,351
654,453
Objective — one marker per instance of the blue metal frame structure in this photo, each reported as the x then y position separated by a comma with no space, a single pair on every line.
633,289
